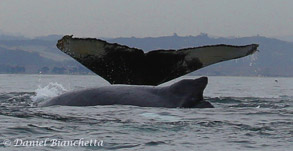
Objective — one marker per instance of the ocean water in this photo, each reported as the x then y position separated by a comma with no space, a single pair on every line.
251,113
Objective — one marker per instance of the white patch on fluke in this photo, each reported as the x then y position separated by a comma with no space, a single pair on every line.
82,48
213,54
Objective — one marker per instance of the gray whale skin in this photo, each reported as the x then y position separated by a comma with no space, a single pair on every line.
119,64
187,93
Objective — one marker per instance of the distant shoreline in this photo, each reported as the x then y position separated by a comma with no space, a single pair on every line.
32,56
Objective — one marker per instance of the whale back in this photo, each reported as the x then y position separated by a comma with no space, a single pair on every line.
190,92
186,93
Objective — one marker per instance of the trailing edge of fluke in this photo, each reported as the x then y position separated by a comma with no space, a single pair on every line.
120,64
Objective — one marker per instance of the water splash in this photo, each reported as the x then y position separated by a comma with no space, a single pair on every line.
253,59
47,92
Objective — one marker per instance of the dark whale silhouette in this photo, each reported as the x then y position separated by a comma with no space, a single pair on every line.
120,64
187,93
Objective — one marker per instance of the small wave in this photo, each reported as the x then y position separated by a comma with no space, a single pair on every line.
14,99
253,102
161,117
154,143
47,92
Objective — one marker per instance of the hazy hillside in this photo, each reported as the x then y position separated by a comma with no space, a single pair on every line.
274,58
40,55
45,46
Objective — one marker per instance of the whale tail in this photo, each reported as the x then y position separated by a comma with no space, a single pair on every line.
192,92
120,64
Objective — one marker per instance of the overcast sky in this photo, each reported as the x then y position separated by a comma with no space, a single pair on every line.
142,18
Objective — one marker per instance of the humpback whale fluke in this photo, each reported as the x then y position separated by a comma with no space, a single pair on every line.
120,64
